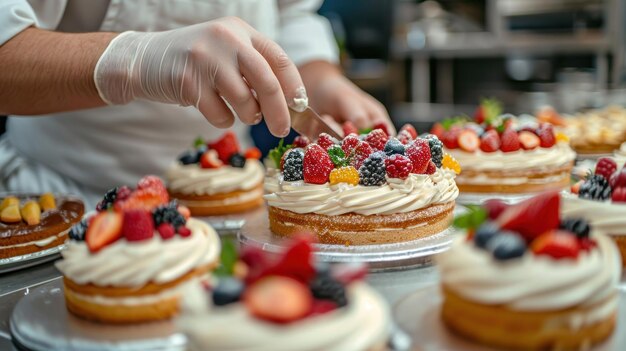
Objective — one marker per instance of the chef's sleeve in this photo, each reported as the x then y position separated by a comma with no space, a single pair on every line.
17,15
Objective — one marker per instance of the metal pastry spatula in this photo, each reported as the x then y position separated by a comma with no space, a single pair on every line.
309,124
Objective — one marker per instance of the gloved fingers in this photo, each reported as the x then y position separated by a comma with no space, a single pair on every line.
214,109
270,96
234,89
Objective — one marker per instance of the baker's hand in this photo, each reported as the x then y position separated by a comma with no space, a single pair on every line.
330,93
198,66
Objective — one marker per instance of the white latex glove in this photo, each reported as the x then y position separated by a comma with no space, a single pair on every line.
198,66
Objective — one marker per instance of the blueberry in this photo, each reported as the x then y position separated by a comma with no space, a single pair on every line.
394,146
188,157
506,245
227,291
484,233
237,160
578,226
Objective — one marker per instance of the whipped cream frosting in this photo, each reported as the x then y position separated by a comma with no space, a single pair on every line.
606,216
194,180
533,283
395,196
539,158
360,326
134,264
620,154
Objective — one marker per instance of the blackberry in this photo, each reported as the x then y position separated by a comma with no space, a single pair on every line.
372,172
168,214
578,226
237,160
78,230
292,169
325,287
436,149
108,200
394,146
188,157
596,188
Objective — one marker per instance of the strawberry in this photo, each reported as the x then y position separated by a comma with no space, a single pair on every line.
326,141
619,194
278,299
576,187
450,138
349,128
419,154
123,193
349,143
556,244
104,228
431,168
410,129
437,130
226,146
606,167
317,165
404,137
495,207
490,141
252,153
468,140
546,135
256,260
138,225
377,139
480,115
361,153
619,180
528,140
210,159
398,166
166,231
301,141
150,182
383,127
509,141
295,262
532,217
145,199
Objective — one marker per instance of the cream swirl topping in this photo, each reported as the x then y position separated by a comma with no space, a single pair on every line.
532,283
134,264
621,152
606,216
191,179
395,196
362,325
518,160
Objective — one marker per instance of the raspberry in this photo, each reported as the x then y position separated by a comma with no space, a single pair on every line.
349,128
349,143
166,231
419,154
252,154
405,137
595,187
123,193
226,146
436,148
619,194
301,141
361,153
137,225
490,141
383,127
372,172
326,141
393,147
237,160
546,135
606,167
377,139
398,166
292,170
317,165
409,129
451,163
347,174
183,231
431,168
509,141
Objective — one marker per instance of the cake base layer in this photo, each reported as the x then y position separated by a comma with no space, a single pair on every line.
221,204
495,181
23,249
502,328
355,229
591,149
620,241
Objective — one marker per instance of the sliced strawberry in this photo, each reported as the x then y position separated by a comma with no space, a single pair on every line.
411,130
210,160
316,164
509,141
226,146
546,135
575,188
495,207
532,217
349,128
278,299
252,153
490,141
468,140
437,130
557,244
528,140
419,154
104,229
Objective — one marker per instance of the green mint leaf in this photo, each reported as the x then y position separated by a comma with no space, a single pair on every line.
474,217
276,154
337,156
493,109
365,130
198,142
228,258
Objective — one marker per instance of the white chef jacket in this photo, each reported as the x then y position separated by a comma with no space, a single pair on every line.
89,151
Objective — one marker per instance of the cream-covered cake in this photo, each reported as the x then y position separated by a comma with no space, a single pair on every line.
128,262
597,131
368,190
215,179
528,280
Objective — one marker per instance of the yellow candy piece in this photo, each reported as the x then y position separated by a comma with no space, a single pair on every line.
47,202
562,137
346,174
8,201
11,214
31,212
451,163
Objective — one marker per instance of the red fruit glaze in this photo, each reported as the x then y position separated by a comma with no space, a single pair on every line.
377,139
606,167
398,166
528,140
316,165
138,225
509,141
419,154
468,140
557,244
226,146
532,217
104,228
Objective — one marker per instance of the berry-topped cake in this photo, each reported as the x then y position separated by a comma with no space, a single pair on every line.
33,223
506,154
128,261
214,178
526,278
284,303
597,131
366,189
600,198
